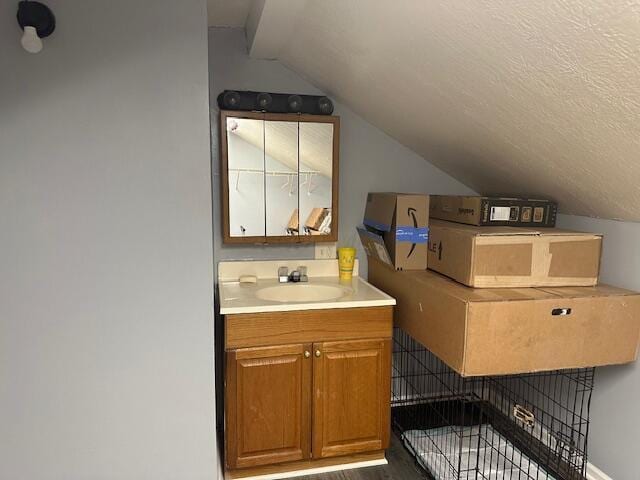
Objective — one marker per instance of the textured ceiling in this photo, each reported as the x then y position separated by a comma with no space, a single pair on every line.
228,13
528,97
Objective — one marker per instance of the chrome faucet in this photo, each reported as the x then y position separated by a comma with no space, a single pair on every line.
283,274
299,275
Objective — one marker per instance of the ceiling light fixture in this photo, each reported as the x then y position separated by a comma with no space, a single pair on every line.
37,21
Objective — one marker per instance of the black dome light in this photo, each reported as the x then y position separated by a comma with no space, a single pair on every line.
264,100
37,21
231,99
325,106
295,103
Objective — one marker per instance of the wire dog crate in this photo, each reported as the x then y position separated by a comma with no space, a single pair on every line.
526,426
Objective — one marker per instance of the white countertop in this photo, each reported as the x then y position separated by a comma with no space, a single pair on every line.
241,298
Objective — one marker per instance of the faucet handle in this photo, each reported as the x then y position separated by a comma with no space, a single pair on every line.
303,273
283,274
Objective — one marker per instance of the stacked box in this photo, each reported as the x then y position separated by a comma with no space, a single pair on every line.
497,342
396,229
534,302
483,257
494,211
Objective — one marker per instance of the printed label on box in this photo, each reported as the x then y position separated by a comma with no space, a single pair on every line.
412,234
538,214
500,214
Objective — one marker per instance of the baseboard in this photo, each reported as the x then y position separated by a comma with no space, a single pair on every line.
318,470
594,473
301,468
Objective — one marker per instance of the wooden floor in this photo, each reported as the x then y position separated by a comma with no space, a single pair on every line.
401,467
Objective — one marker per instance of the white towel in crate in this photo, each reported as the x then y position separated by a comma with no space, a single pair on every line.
453,453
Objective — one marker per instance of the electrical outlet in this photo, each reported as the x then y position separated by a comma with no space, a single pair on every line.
326,251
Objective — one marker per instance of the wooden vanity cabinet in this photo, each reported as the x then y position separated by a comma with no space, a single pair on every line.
351,385
318,398
268,405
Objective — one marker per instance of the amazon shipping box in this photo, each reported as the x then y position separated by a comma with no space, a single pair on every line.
396,229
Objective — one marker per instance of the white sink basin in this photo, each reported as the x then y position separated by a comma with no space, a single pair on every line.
296,292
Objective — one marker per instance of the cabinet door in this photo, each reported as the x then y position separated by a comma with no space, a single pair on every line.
351,397
268,411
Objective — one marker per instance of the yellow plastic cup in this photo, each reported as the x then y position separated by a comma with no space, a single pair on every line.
346,261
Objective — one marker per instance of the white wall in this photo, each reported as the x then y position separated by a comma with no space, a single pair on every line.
369,159
615,422
106,279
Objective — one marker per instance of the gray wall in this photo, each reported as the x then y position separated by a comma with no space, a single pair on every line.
615,422
106,279
369,159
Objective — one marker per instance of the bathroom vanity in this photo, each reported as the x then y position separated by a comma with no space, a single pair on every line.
307,369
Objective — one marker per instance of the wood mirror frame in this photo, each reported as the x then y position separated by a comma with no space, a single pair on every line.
224,177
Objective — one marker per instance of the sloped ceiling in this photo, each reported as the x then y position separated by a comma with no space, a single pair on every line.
508,96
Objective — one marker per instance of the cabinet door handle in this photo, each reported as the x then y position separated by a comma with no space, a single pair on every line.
318,353
307,354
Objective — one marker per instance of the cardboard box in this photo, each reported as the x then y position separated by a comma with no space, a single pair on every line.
396,229
514,257
507,331
495,211
292,225
316,217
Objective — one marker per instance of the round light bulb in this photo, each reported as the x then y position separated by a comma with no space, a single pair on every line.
30,40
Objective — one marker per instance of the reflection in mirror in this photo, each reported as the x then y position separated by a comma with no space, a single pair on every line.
315,177
245,141
281,167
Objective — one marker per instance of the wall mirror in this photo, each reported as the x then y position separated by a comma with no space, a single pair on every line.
279,176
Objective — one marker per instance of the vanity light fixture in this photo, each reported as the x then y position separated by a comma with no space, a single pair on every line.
231,99
264,100
295,103
37,21
250,101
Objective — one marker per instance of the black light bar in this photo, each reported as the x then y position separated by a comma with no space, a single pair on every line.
275,102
